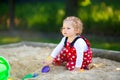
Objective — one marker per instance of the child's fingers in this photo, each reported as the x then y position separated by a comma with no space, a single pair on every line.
47,63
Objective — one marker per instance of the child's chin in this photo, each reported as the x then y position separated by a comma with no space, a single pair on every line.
65,36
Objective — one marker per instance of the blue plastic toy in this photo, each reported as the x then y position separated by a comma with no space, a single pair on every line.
45,69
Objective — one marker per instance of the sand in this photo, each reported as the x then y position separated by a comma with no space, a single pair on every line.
27,59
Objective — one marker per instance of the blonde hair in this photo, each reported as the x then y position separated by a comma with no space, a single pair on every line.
76,23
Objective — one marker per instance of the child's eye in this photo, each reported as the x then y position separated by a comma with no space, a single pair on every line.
68,28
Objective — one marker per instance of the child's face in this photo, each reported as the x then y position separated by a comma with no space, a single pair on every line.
68,29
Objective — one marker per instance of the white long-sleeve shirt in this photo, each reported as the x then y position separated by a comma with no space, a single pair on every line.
80,46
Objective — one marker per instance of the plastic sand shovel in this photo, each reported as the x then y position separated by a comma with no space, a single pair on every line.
27,76
45,69
30,76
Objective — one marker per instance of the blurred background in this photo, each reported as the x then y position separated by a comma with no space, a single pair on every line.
41,20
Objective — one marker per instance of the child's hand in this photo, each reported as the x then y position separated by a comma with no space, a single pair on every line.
49,60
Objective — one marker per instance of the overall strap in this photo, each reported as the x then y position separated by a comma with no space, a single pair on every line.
65,41
72,41
86,40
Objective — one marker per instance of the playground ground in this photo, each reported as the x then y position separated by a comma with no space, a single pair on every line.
26,59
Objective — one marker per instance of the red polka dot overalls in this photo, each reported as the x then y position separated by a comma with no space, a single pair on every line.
68,56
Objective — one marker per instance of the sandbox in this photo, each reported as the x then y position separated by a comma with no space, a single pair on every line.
27,57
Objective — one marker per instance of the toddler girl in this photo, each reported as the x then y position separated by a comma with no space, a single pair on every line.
72,51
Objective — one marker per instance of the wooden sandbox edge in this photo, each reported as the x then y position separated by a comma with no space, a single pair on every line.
108,54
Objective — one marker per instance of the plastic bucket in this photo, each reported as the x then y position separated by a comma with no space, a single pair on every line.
4,69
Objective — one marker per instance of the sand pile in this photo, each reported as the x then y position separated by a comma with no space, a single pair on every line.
27,59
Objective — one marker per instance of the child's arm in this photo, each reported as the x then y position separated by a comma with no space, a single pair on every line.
55,52
80,47
59,47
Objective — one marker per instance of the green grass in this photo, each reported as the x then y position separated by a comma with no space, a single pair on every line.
7,40
106,45
104,42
